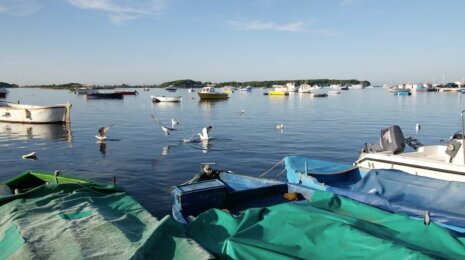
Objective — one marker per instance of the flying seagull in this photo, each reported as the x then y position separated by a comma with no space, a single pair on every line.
204,135
166,130
174,123
417,127
102,132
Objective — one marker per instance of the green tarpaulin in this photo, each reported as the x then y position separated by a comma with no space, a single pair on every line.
327,227
73,221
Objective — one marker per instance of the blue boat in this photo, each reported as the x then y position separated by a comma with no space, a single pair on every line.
390,190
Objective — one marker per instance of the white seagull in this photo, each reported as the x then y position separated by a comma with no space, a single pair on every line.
417,127
166,130
279,126
204,135
174,123
102,132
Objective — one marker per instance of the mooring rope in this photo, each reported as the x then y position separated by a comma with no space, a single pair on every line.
274,166
281,173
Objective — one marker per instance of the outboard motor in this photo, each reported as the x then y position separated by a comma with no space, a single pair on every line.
392,139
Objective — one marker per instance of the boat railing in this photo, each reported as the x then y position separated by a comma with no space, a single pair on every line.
463,135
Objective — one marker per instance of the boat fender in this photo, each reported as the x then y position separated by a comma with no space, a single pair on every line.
28,114
113,181
56,174
17,191
292,196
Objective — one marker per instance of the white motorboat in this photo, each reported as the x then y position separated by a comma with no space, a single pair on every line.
291,87
21,113
166,99
305,88
443,161
357,86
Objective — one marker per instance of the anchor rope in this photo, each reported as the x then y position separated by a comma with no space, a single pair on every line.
281,173
274,166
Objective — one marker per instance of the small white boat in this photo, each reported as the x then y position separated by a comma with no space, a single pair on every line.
305,88
166,99
334,92
443,161
291,87
30,156
358,86
190,90
21,113
246,88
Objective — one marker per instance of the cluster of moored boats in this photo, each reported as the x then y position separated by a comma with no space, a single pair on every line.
391,201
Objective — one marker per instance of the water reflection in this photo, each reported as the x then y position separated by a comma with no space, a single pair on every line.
209,104
205,146
102,147
18,131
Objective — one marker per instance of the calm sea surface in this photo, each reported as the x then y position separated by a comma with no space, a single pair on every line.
332,128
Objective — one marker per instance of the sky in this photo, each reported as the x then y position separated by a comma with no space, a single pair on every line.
154,41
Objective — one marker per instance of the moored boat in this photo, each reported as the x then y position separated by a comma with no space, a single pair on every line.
190,90
444,161
52,216
22,113
279,90
105,95
3,92
402,92
85,91
166,99
265,213
246,88
127,92
291,87
209,92
171,88
305,88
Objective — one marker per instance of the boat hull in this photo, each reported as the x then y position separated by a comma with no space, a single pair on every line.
105,96
278,93
166,99
18,113
213,95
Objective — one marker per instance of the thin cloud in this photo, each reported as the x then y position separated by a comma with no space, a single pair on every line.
119,11
267,26
19,7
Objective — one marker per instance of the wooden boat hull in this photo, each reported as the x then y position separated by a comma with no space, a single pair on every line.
213,95
166,99
19,113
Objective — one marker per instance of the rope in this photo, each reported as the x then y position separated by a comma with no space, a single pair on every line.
274,166
281,173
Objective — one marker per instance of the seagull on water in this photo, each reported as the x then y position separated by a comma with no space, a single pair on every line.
166,150
174,123
417,127
102,132
204,135
279,126
166,130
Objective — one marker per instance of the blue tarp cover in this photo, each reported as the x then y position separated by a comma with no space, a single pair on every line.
397,191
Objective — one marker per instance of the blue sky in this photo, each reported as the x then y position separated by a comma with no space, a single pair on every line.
153,41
